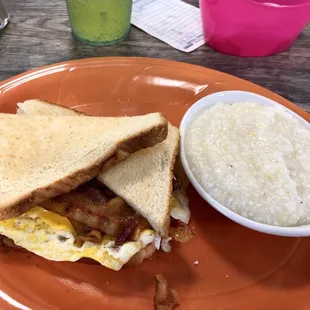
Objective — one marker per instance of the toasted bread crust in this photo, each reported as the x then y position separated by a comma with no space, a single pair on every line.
157,135
122,154
165,228
58,106
64,107
41,194
125,182
144,139
130,146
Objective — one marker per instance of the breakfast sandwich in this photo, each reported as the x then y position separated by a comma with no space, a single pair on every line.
119,217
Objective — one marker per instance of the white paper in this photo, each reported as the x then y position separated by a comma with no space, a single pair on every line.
172,21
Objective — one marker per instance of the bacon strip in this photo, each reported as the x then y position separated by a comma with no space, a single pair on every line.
165,297
142,255
92,208
127,232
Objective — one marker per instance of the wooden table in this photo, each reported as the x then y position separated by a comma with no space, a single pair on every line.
39,34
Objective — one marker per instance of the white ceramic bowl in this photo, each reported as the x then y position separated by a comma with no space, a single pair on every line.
231,97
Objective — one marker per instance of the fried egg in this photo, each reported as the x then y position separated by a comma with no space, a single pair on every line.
52,236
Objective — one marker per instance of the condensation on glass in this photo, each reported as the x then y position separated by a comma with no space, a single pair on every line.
4,16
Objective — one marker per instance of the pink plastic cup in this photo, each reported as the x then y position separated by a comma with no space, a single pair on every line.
253,27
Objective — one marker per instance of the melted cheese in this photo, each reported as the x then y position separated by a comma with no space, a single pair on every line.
54,220
52,236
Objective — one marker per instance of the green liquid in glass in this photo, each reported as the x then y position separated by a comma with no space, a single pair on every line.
101,22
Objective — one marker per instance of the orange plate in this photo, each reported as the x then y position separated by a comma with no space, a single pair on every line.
237,268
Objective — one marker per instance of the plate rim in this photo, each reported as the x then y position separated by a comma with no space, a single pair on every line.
49,69
85,62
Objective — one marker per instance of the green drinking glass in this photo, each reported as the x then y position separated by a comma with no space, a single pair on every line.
99,22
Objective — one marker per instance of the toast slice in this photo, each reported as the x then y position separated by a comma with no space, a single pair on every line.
144,179
43,156
41,107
